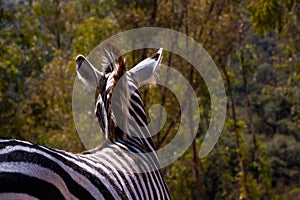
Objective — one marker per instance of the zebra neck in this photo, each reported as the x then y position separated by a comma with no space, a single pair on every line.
138,131
144,144
141,150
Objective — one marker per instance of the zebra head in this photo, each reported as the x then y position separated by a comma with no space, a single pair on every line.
112,116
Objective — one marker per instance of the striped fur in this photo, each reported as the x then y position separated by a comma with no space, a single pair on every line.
111,171
114,68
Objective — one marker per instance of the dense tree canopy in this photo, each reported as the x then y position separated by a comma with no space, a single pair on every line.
255,44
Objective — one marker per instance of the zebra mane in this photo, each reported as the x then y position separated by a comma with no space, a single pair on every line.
112,60
115,95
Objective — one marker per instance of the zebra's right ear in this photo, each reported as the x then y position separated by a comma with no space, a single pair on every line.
87,73
145,71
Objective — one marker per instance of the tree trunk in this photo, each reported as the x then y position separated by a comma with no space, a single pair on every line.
191,121
235,130
194,149
248,108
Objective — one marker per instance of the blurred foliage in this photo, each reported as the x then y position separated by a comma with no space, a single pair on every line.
255,44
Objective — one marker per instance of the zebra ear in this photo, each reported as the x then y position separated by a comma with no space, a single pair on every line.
145,71
87,73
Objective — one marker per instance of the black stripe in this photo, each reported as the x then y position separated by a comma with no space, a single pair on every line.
158,183
134,101
56,154
139,164
94,180
121,173
20,183
24,156
137,101
103,189
137,117
148,174
120,192
142,159
118,158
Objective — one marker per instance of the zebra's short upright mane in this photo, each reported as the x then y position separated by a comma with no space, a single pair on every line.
111,114
113,61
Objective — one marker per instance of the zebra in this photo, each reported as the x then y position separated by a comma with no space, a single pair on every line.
118,168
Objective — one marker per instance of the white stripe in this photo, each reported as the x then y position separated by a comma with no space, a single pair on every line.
104,156
137,115
77,177
16,196
143,138
97,162
131,83
165,189
142,166
131,168
120,168
143,134
92,171
157,174
137,182
137,104
14,140
151,158
39,172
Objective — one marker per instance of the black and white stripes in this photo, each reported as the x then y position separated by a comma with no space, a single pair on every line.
107,173
119,169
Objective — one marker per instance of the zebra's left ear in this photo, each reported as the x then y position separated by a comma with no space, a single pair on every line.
145,71
87,73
